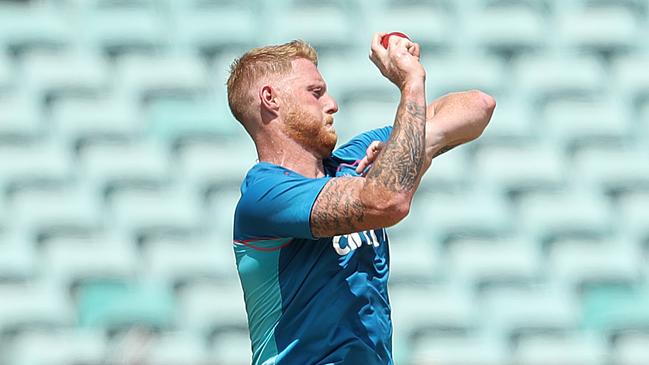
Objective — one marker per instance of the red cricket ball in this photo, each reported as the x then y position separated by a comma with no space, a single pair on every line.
384,39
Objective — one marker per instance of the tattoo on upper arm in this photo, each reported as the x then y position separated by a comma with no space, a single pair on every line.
399,164
337,208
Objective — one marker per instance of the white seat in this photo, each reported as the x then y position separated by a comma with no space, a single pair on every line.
20,117
18,258
493,26
612,169
207,307
578,349
631,349
604,28
463,72
558,75
419,308
575,123
56,208
144,77
513,311
108,163
172,348
459,350
523,167
177,261
70,262
232,348
34,162
448,171
569,213
494,261
413,259
30,25
58,347
149,211
65,73
633,218
35,304
586,262
88,119
627,77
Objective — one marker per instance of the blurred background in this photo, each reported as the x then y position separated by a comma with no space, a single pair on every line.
120,167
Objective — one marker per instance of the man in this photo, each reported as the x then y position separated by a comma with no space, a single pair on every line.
309,229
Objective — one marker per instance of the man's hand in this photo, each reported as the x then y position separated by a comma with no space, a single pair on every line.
399,63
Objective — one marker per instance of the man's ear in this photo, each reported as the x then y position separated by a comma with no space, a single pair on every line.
268,99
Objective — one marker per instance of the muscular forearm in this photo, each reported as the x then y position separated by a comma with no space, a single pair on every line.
398,168
470,110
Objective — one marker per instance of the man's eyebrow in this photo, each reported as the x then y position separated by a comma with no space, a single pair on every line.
318,85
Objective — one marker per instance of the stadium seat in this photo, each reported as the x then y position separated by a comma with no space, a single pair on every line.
232,348
413,259
427,25
600,29
464,72
589,262
574,123
70,262
550,216
57,74
176,120
202,28
220,212
417,309
511,124
466,213
521,167
172,348
627,78
109,163
352,76
360,116
179,261
614,169
459,350
632,214
81,120
209,308
204,164
31,162
448,171
495,261
326,28
31,25
120,30
58,347
512,311
144,212
20,117
549,76
578,349
7,73
119,305
616,309
493,27
18,259
55,209
33,305
631,349
143,78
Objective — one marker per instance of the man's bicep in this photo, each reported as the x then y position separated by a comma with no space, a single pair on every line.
339,209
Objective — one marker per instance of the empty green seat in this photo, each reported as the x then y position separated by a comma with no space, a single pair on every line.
574,349
613,309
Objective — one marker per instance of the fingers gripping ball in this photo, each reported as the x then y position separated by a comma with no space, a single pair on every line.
385,38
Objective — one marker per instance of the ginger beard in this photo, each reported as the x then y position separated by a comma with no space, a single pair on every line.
313,133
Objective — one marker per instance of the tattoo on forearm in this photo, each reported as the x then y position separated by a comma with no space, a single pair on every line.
398,166
337,209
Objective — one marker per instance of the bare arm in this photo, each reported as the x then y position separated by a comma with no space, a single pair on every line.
383,197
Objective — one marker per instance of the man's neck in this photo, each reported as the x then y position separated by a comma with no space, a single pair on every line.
287,153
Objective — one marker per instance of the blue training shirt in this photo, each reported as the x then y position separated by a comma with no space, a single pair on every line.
310,301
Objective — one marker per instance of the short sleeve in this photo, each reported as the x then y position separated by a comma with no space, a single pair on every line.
276,203
355,149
